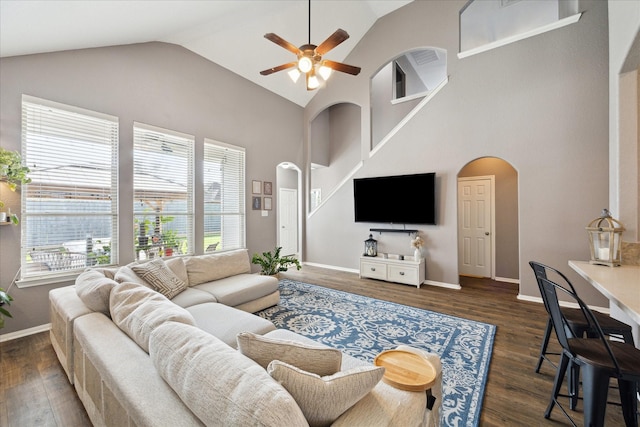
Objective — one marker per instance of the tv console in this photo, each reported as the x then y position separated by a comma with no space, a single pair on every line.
407,271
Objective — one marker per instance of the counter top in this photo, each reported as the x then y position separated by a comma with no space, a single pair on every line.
620,284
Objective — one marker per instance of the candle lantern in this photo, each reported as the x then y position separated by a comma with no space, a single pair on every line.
371,246
605,237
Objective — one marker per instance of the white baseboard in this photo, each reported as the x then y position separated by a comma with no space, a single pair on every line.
604,310
356,271
25,332
332,267
442,284
507,280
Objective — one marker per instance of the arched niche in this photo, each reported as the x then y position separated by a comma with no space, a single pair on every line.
505,234
399,86
335,150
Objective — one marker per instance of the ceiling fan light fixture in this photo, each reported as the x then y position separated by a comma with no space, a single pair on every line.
312,81
295,74
324,72
305,64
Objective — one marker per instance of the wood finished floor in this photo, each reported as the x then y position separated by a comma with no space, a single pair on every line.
34,391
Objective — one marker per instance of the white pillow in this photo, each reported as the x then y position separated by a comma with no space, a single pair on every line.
94,289
218,384
160,277
315,359
138,310
324,399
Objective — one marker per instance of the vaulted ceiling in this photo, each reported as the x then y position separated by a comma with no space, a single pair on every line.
227,32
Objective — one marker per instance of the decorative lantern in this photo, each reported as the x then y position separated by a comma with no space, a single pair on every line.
371,246
605,235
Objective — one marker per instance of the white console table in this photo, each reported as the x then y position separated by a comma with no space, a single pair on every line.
407,271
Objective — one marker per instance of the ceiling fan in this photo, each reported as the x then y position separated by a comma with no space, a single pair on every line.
309,58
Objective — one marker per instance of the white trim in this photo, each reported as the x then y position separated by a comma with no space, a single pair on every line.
409,97
69,108
332,267
507,280
408,117
25,332
538,300
50,279
337,187
442,284
511,39
353,270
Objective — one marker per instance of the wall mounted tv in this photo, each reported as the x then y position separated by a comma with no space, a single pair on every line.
401,199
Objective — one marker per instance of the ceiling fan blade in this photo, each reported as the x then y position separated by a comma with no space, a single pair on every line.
278,68
339,66
334,40
282,42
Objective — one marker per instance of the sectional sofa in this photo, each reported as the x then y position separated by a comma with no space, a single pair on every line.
173,342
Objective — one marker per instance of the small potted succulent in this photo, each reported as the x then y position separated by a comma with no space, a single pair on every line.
272,263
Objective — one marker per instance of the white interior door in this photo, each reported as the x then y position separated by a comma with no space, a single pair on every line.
475,224
288,221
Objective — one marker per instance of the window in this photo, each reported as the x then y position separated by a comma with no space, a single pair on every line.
70,209
163,192
224,198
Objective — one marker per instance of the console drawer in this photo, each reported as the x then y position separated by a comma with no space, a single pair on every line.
402,274
373,270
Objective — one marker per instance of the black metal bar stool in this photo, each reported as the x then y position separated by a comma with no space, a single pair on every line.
575,318
599,358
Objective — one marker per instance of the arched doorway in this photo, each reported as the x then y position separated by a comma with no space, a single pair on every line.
488,233
289,208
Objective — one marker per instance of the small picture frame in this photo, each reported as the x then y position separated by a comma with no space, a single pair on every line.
256,203
268,188
256,187
267,203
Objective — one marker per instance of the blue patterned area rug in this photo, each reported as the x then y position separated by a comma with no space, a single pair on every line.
363,327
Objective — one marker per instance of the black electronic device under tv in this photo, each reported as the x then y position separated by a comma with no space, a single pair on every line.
400,199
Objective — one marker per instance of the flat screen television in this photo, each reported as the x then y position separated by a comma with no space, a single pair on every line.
401,199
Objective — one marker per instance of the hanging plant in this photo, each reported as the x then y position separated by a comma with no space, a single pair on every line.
14,173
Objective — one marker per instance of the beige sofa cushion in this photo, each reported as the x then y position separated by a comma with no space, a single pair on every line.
319,360
324,399
220,386
160,277
138,310
176,264
94,289
206,268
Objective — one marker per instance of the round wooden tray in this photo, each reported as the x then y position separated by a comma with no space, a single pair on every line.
406,370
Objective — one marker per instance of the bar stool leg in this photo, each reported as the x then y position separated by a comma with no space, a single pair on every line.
628,393
595,389
545,343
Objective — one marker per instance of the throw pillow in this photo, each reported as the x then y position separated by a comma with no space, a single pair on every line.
218,384
93,288
126,275
160,277
324,399
138,310
315,359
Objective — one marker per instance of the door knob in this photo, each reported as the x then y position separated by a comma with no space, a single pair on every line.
486,233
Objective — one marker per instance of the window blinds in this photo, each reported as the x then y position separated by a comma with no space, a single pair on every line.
70,209
224,196
163,192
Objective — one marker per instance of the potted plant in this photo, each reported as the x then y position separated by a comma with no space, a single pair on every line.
13,173
272,263
5,298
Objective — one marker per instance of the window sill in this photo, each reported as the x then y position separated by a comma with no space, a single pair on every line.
48,280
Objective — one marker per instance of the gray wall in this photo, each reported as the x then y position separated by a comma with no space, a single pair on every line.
541,104
158,84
